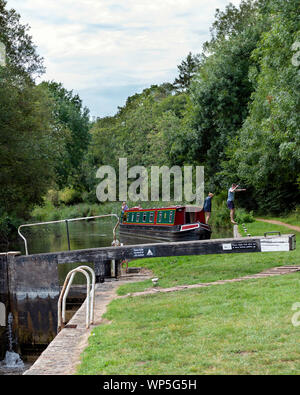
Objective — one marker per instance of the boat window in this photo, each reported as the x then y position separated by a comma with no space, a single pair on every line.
187,218
151,217
138,217
144,217
160,216
171,217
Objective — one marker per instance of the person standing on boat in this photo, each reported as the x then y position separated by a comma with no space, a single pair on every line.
230,200
207,206
123,208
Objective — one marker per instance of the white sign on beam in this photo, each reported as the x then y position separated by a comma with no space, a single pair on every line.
275,244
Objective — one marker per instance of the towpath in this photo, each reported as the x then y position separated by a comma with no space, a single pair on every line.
275,222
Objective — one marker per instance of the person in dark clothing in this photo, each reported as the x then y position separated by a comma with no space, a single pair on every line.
207,206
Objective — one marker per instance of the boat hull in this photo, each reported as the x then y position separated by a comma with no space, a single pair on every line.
164,233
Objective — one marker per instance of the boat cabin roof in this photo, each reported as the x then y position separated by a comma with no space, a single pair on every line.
186,208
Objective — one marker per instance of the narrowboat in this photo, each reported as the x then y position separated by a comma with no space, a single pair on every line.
175,223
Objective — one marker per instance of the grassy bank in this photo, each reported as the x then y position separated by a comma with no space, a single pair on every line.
239,328
242,328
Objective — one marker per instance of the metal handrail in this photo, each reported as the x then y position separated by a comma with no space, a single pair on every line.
90,296
67,221
92,292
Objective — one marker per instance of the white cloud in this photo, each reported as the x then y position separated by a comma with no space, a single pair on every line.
93,45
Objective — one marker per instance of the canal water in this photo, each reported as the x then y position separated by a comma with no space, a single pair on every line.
83,234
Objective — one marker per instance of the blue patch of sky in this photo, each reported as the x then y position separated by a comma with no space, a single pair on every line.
106,100
106,26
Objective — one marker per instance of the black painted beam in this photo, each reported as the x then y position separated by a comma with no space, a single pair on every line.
201,247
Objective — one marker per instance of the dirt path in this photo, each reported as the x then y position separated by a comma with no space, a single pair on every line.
275,271
275,222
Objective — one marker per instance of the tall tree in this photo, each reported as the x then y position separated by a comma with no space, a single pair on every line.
266,154
187,69
28,145
28,141
73,118
221,89
22,57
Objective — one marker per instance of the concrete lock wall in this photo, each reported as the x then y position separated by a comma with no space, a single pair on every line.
33,295
4,300
29,289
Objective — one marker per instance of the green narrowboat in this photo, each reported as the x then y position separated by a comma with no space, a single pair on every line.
175,223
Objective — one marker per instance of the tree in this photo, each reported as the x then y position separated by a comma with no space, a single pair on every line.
266,154
71,117
28,141
22,57
221,90
187,70
28,145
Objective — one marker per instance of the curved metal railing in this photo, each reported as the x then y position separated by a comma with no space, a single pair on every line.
67,227
90,296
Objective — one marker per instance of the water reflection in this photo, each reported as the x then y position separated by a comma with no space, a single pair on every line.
83,234
53,237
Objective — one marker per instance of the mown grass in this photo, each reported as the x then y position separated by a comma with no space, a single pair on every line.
237,328
258,228
241,328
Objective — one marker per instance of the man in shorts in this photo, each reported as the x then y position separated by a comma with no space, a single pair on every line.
207,206
230,200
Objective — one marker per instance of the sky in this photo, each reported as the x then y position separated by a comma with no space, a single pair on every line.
107,50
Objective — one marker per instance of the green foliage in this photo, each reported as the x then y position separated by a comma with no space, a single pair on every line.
69,196
220,215
221,90
73,120
187,70
29,145
243,216
22,58
266,153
